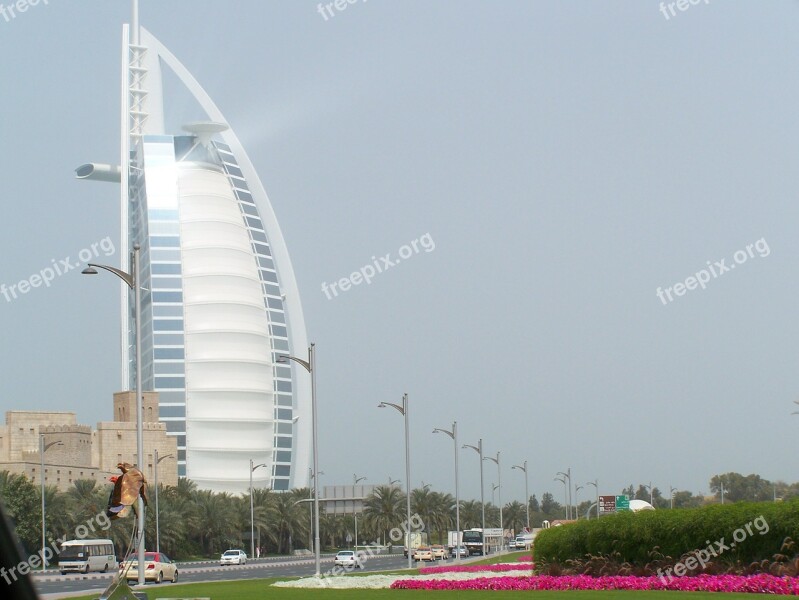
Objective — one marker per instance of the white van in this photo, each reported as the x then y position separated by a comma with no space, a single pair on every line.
524,541
83,556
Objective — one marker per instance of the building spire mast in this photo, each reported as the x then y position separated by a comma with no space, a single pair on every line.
134,24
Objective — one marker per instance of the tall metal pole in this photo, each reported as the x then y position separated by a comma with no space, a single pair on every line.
310,366
526,491
315,423
41,473
133,281
407,470
42,450
158,460
252,516
139,411
454,435
568,478
499,487
595,483
155,483
403,410
479,450
565,495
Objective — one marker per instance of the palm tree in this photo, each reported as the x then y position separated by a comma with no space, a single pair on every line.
423,503
288,521
515,516
383,509
471,514
220,529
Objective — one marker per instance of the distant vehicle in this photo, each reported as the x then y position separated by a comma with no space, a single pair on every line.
524,541
473,540
439,551
459,550
157,568
454,538
423,553
413,540
82,556
233,557
348,558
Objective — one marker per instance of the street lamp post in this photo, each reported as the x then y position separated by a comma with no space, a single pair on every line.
595,483
453,433
133,281
403,410
42,449
565,496
526,491
494,487
355,480
310,366
155,483
311,476
479,449
252,511
576,502
568,476
671,494
499,487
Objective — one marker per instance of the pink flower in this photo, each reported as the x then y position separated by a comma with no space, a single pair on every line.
756,584
474,568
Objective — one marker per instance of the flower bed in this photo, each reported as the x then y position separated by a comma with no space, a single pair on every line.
497,568
756,584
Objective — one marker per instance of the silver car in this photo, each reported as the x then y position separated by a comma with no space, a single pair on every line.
348,558
233,557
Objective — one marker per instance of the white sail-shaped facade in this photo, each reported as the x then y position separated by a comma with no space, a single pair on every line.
220,302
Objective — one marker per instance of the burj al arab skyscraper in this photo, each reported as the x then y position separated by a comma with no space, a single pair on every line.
220,302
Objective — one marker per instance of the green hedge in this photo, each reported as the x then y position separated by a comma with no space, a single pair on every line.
675,532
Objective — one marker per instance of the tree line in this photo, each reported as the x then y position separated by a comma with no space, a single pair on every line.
196,523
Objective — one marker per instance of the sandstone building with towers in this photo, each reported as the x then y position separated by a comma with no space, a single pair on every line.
74,451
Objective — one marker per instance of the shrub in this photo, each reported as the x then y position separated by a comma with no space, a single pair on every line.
663,537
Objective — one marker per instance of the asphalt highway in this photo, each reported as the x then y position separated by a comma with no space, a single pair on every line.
52,585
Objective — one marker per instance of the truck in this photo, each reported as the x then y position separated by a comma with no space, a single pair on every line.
473,540
413,540
454,538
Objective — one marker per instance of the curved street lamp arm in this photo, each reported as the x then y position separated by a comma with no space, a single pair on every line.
447,431
399,408
123,275
285,357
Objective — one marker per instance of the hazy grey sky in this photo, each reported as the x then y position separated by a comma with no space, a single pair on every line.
567,159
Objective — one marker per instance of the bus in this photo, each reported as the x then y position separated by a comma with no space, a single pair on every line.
82,556
473,540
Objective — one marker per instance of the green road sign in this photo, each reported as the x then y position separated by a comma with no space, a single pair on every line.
622,503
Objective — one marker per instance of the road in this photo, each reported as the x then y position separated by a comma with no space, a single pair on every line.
51,584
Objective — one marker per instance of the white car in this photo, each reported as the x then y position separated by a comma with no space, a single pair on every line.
233,557
348,558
